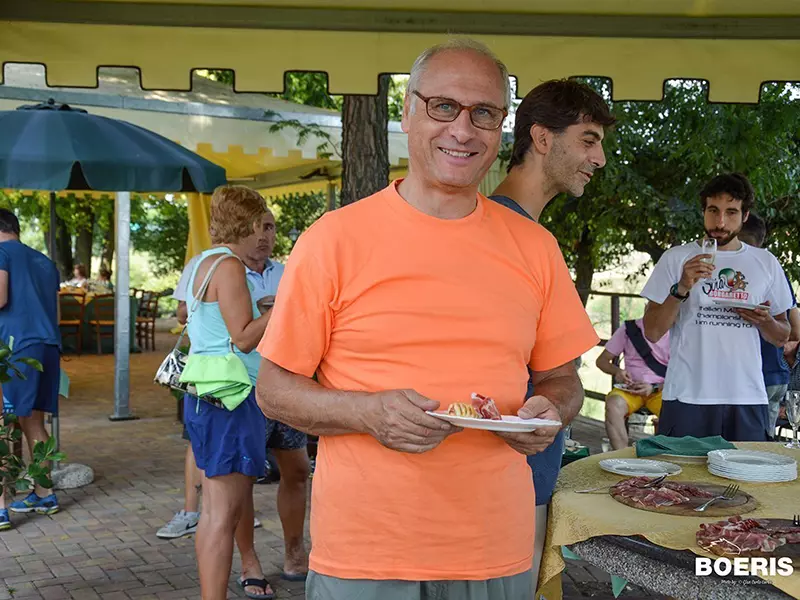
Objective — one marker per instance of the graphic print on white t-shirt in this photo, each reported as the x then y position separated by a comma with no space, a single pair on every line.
715,355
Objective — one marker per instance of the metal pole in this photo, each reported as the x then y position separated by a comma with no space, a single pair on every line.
52,232
54,428
122,312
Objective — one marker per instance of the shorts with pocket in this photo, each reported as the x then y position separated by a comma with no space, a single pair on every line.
226,441
39,389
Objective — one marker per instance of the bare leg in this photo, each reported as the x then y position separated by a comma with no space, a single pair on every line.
292,494
616,409
224,499
34,431
251,566
193,482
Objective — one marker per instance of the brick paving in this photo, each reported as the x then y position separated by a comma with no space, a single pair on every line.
103,545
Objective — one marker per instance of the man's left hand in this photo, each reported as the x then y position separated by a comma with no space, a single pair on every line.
759,317
536,407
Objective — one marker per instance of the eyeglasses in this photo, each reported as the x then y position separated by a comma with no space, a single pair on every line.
446,110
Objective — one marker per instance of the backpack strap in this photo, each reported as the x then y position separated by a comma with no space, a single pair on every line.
636,337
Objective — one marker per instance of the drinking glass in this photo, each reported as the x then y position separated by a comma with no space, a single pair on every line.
793,414
709,247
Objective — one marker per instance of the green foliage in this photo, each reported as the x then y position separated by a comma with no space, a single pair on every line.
14,474
294,211
326,149
661,154
161,228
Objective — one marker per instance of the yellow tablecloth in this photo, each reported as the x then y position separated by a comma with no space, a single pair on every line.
577,517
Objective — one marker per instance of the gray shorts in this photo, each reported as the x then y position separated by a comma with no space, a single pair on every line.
514,587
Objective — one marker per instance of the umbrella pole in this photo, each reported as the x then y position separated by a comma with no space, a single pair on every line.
52,233
54,428
122,310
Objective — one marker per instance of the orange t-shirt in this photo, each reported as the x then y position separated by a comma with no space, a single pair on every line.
377,296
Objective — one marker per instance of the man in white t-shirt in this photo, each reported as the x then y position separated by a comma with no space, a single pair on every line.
714,384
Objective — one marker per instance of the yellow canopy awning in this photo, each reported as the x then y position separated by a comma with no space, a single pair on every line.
736,45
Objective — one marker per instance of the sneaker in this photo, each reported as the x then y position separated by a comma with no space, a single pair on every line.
33,503
5,520
256,523
182,523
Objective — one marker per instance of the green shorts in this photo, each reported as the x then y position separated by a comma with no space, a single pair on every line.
514,587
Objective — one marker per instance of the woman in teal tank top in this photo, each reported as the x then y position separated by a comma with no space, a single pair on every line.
229,445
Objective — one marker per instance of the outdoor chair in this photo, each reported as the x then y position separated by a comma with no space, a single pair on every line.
73,308
146,320
103,321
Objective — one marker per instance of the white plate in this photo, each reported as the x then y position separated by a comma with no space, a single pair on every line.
509,423
682,458
752,476
735,303
750,458
638,467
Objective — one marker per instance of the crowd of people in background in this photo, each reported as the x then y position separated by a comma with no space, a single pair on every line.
410,300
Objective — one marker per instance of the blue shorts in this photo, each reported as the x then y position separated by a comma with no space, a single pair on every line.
227,441
546,466
39,390
282,437
734,422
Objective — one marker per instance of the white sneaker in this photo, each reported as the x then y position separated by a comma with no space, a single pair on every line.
182,523
256,523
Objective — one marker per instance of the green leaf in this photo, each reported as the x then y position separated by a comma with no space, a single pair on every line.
58,457
16,435
44,481
31,362
22,485
4,448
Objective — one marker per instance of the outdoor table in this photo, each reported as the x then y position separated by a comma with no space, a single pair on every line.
89,344
643,546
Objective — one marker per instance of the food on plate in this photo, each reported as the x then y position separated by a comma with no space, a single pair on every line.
737,536
667,493
481,407
462,409
486,407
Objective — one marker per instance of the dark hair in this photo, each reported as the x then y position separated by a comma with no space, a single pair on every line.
755,228
734,184
105,273
556,104
81,269
9,223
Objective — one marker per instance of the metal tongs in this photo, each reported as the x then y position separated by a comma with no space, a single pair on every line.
651,483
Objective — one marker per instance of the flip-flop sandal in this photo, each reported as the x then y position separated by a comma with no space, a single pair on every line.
294,576
255,582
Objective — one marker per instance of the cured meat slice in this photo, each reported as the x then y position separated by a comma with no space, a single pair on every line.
664,494
486,407
736,536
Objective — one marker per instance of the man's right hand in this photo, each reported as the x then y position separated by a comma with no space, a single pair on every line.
397,419
693,271
623,376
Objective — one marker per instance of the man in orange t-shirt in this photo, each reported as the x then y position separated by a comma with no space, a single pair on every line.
408,301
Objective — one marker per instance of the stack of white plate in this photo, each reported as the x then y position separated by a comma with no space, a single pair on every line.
751,465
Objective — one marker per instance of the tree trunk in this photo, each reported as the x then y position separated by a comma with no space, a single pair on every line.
365,143
584,265
85,237
64,248
107,255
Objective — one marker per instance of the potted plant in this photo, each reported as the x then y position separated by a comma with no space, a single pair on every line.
15,475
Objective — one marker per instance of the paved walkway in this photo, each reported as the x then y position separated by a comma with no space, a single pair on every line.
103,545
